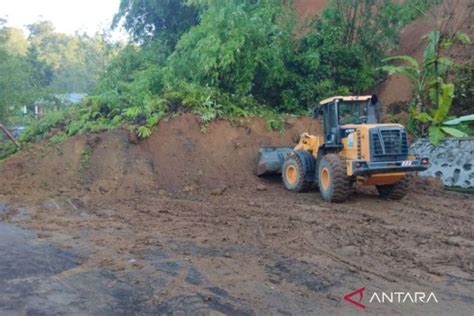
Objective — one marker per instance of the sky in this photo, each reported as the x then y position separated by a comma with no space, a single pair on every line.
67,16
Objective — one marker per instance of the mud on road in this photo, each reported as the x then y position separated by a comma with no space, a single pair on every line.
258,252
206,244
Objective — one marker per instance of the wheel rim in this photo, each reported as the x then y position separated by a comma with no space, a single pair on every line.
291,175
325,178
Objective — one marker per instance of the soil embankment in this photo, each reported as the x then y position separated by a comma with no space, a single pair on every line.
178,157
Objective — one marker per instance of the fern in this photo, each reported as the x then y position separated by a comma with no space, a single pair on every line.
143,132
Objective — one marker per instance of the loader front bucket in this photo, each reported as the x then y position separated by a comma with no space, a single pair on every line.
270,160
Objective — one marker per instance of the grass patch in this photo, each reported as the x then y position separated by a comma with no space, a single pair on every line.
85,159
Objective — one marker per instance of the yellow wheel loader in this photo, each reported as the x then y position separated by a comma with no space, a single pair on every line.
354,148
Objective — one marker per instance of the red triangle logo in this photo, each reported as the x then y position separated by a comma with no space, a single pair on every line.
361,297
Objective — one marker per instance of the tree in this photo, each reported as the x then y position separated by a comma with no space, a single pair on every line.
247,51
343,46
40,29
16,88
164,20
15,79
41,73
66,63
14,41
239,47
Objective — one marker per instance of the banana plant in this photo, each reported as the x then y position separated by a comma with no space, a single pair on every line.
439,126
417,74
432,96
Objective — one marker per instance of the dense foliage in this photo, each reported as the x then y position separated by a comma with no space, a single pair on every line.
243,55
75,62
47,63
463,79
164,21
16,84
214,58
433,94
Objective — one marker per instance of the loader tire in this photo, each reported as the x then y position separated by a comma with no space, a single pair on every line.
334,184
293,174
395,191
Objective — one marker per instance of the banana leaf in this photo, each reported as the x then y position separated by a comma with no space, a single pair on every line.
453,132
459,120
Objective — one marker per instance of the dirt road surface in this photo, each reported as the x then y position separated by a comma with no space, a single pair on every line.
255,252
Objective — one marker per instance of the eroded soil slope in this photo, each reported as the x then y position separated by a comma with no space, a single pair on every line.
180,156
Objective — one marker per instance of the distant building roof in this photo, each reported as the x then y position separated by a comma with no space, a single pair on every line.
70,97
74,98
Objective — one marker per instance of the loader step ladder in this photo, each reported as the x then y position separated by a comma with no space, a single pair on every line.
9,135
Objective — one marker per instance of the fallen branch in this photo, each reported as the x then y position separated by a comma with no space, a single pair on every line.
9,135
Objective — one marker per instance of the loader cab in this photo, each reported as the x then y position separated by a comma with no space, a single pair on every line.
338,113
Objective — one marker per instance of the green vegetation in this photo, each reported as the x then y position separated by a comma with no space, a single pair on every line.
432,96
85,159
47,63
64,63
241,58
7,149
234,58
463,80
159,21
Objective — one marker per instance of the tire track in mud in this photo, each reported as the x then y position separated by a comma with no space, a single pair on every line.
265,248
319,249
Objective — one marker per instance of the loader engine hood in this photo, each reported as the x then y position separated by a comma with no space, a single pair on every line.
377,142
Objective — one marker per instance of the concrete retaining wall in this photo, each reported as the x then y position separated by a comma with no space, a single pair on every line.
452,160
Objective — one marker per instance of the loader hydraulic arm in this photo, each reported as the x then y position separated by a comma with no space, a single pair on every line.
309,143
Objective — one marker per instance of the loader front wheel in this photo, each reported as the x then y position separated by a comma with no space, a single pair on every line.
395,191
293,175
334,184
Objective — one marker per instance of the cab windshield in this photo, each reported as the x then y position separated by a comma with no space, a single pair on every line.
352,112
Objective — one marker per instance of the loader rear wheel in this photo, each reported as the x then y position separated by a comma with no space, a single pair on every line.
395,191
334,184
293,175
